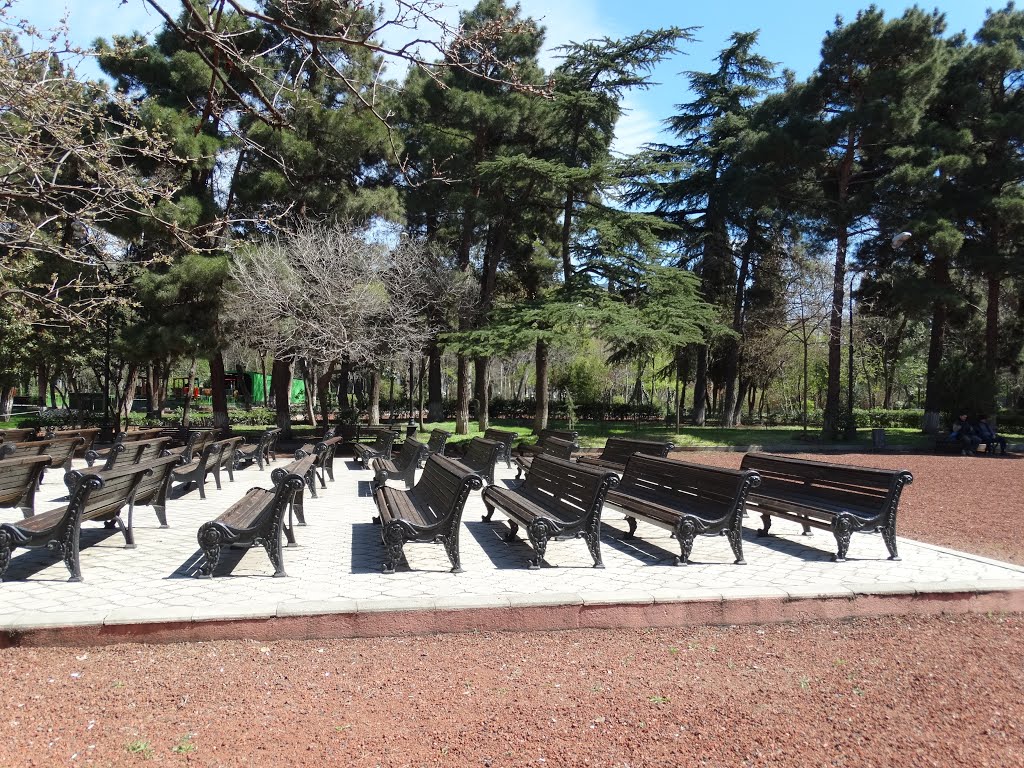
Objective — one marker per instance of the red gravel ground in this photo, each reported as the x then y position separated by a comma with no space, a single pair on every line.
938,691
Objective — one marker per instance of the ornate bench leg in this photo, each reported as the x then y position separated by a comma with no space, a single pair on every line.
5,552
210,540
513,529
201,483
451,548
539,534
161,514
216,476
490,511
126,530
593,539
632,528
275,553
685,532
766,521
889,537
736,542
69,549
842,527
394,542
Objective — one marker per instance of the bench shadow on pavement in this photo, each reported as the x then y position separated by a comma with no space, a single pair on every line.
26,563
229,558
506,555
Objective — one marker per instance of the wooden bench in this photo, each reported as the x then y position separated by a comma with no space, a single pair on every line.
60,450
481,456
305,467
197,470
17,435
19,479
381,446
617,451
553,446
505,439
153,488
568,435
687,499
431,511
436,444
558,498
89,434
137,452
227,459
836,497
97,497
324,451
259,452
401,468
256,518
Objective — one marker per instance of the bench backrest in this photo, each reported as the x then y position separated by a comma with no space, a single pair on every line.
444,486
619,449
153,487
482,455
133,436
573,491
18,476
570,435
117,488
228,448
502,436
208,458
412,450
17,435
862,489
438,439
558,448
300,467
678,482
137,452
89,434
59,449
384,440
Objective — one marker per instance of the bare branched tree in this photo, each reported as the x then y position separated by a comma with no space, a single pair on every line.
70,150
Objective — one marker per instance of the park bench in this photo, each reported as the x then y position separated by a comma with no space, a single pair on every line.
126,453
430,511
153,488
403,467
436,444
122,439
505,439
687,499
18,435
553,446
305,467
227,459
197,470
97,497
381,446
617,451
60,450
324,452
481,456
259,452
19,479
836,497
89,434
558,498
256,518
568,435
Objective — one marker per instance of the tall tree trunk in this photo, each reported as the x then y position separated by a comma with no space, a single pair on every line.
308,391
126,398
374,418
733,401
932,394
343,386
741,393
281,384
323,390
186,410
43,383
481,387
244,386
462,395
700,386
540,419
830,427
219,394
434,398
423,372
152,391
263,385
992,336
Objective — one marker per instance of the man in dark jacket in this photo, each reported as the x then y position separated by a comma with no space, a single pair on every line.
963,433
988,436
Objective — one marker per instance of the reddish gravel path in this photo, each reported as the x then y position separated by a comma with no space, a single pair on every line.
940,691
975,504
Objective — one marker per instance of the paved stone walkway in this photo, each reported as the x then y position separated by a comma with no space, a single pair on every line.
336,566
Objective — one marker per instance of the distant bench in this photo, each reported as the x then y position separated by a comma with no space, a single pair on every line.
836,497
19,479
617,451
558,498
430,511
550,446
687,499
481,456
60,450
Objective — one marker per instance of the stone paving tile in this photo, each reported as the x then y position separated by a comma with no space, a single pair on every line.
338,558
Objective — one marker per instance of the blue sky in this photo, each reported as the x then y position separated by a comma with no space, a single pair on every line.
790,33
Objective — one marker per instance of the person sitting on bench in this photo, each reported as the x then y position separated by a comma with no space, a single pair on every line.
964,434
988,436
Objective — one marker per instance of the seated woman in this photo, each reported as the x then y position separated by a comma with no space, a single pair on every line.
988,436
